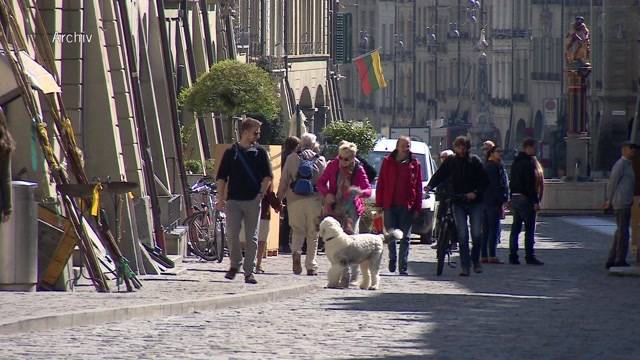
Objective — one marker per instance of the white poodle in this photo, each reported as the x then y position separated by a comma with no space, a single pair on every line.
345,250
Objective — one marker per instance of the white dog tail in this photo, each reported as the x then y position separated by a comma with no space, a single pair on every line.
395,234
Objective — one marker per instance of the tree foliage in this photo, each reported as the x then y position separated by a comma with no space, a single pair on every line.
361,133
232,89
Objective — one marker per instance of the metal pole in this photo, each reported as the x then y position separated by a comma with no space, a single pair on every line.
511,136
413,48
191,60
231,41
459,54
143,133
562,30
207,30
353,70
212,59
395,61
436,73
286,43
173,104
263,27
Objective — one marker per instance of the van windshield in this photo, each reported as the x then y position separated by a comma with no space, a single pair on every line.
375,159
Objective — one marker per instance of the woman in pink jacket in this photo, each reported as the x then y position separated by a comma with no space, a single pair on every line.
344,184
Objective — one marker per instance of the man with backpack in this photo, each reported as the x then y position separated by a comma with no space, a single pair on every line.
243,178
304,205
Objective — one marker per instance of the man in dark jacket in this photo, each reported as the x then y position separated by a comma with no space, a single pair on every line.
525,202
468,178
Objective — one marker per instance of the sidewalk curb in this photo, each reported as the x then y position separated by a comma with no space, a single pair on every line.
101,316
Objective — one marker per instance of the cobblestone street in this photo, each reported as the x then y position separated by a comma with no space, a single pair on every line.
568,308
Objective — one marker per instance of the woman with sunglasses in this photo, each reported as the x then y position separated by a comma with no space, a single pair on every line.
343,185
495,197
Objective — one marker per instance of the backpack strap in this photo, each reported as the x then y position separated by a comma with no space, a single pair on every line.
246,166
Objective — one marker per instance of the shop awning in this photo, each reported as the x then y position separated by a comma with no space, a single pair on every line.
39,77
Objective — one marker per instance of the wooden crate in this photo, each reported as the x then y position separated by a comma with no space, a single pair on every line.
57,255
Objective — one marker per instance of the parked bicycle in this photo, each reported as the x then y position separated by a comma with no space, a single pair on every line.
447,233
207,226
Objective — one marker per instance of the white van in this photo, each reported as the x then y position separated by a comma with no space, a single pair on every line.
424,224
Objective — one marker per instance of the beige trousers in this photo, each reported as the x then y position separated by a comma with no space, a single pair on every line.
304,218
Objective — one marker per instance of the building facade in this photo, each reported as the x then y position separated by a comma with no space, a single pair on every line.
390,27
443,82
291,39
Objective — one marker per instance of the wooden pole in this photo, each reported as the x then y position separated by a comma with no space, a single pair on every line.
12,32
143,133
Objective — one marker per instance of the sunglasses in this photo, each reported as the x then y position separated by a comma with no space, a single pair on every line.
345,158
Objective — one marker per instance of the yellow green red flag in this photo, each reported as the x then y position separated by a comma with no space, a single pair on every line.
370,72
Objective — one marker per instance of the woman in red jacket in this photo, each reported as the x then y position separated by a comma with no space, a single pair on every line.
399,194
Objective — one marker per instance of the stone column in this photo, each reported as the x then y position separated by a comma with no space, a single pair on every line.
577,136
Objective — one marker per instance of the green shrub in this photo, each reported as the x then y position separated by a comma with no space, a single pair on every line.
361,133
232,89
193,166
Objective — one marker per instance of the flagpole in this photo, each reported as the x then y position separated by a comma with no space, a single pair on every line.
365,54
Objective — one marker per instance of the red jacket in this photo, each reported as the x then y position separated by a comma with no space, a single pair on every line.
387,183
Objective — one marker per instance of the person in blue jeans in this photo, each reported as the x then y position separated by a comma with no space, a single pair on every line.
526,185
467,177
399,194
495,197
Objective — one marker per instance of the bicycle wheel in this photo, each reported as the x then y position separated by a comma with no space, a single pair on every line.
220,237
201,241
443,246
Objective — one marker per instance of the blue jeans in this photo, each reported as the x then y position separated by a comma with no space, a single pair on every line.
523,211
491,230
399,217
474,213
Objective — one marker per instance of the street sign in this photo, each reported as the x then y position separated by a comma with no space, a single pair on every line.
619,112
550,111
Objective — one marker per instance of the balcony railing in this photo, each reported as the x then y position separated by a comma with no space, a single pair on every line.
518,98
306,48
546,76
271,63
500,102
568,2
509,33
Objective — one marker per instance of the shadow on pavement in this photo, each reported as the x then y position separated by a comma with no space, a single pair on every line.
568,308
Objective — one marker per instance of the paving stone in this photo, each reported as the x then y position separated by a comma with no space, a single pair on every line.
568,308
